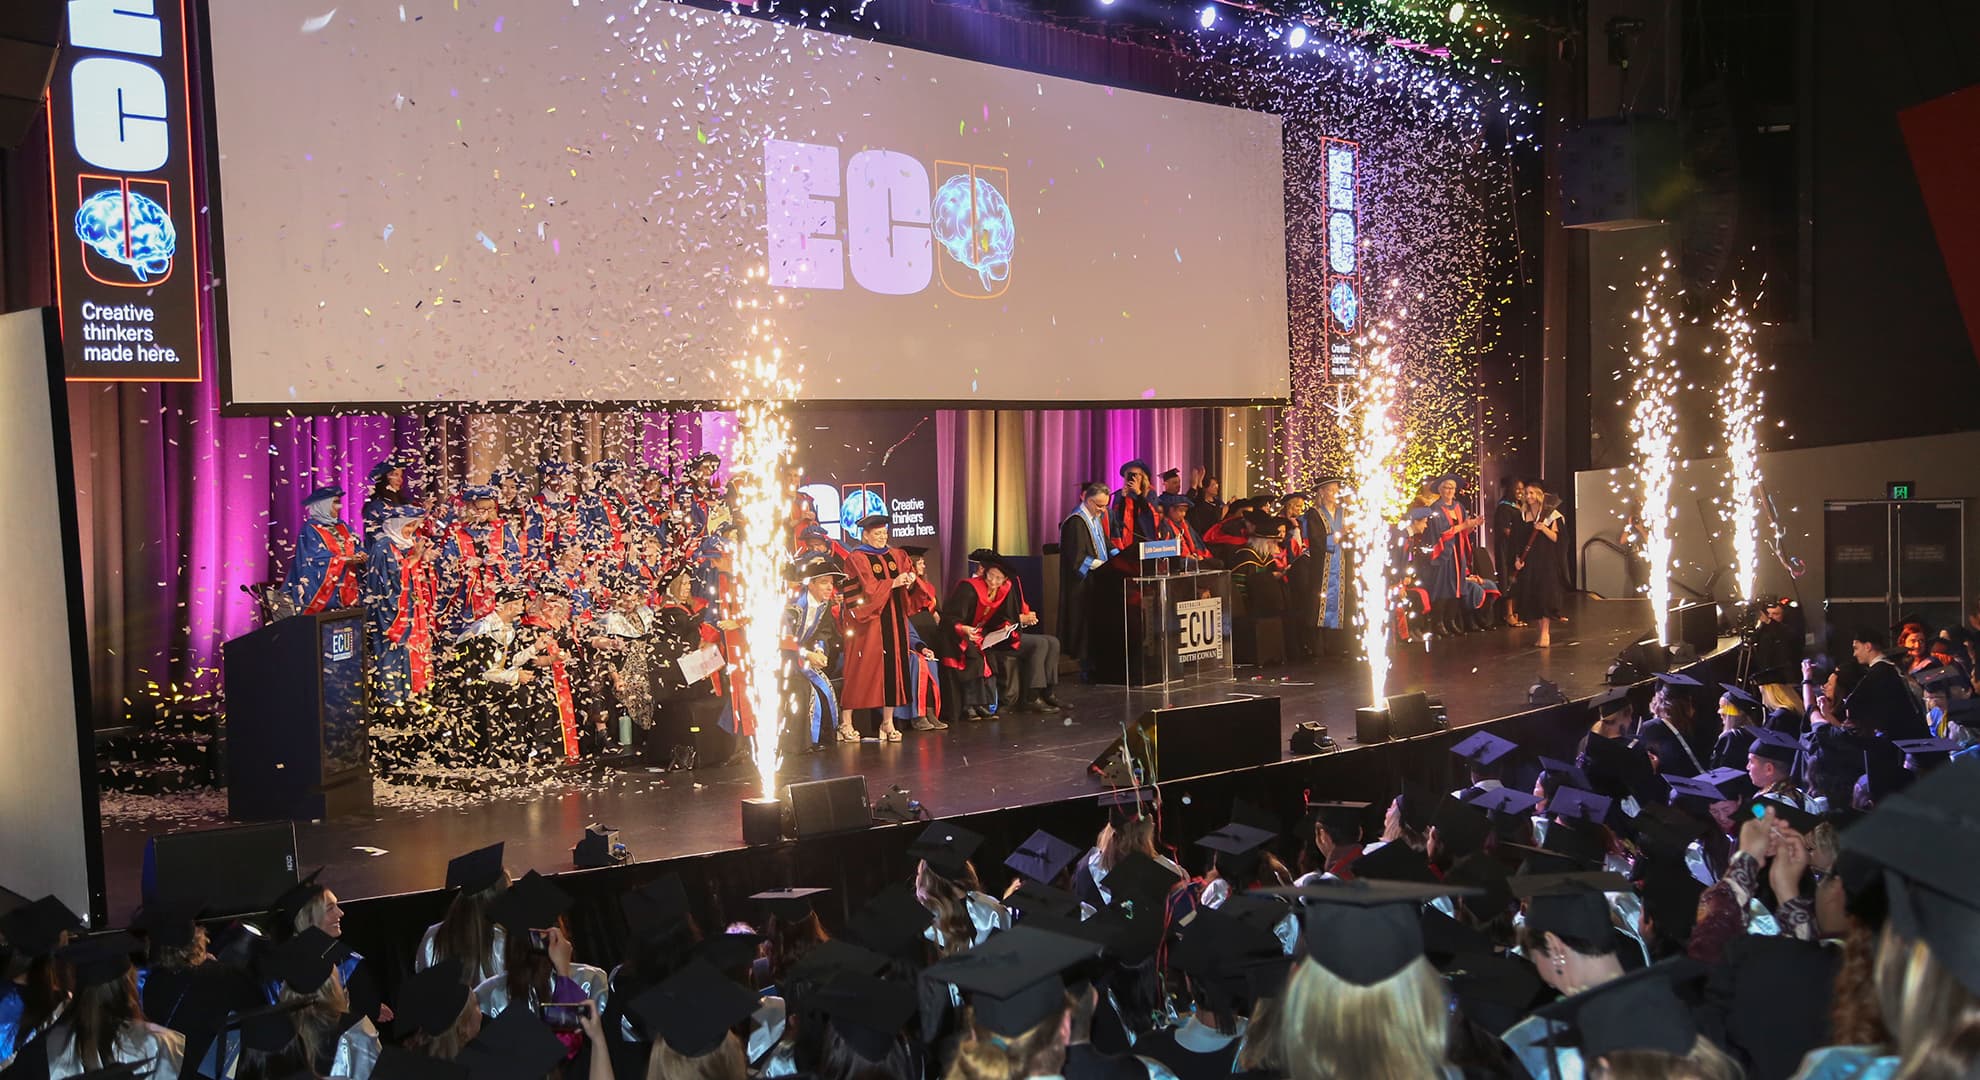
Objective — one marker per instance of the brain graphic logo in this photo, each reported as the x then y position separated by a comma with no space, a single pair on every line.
128,228
860,503
1345,305
973,223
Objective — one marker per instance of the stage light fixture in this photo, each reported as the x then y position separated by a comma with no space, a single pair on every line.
1296,36
1207,18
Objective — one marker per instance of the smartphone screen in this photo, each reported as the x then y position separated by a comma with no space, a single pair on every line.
539,940
565,1015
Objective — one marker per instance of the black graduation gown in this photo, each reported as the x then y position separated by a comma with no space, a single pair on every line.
1883,703
1075,547
1265,592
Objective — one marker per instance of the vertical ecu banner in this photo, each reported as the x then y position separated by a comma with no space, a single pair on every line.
120,148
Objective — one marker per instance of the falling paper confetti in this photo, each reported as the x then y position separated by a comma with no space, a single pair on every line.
311,26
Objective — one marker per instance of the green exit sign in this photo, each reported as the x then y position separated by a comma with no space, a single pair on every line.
1898,489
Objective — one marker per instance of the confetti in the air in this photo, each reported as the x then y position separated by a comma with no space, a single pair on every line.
311,26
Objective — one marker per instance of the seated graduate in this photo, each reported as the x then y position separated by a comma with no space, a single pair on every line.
468,933
34,997
945,882
329,1037
103,1024
539,972
985,622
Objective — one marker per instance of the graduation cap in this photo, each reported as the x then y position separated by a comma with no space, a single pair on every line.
504,594
1571,906
1574,804
1170,502
1042,857
1034,900
1940,678
290,902
867,1012
834,958
1363,931
1134,464
99,960
479,493
1445,937
732,951
694,1009
1611,701
1670,897
1343,817
1964,711
913,551
1015,980
1488,882
431,1001
1461,827
1393,861
987,557
1540,862
1765,805
304,962
169,924
891,923
656,907
1492,990
513,1045
1265,526
1773,745
1925,746
815,567
1127,804
788,905
1418,804
1139,879
1740,695
1483,748
1715,786
1638,1011
476,870
532,903
1171,474
1569,773
35,929
1237,848
1510,802
874,521
1676,678
1580,843
1931,871
1616,768
814,531
1664,832
327,491
946,847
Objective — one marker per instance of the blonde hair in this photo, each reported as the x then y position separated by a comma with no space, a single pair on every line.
1332,1029
317,1020
1934,1021
447,1045
725,1062
1703,1062
1261,1052
1780,696
985,1055
1117,842
311,914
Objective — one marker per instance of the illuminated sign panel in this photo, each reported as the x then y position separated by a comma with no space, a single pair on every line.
1343,254
120,147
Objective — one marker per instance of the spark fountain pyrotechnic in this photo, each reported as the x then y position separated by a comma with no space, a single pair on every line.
1378,451
761,550
1739,414
1653,426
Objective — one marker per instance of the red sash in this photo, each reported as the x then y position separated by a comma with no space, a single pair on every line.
479,587
412,626
338,580
986,606
566,706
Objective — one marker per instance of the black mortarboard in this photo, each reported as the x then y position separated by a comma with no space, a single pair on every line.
1493,991
1569,773
1393,861
1504,800
731,952
1445,937
1034,900
1670,898
835,957
1664,832
1925,746
1341,816
514,1045
1171,474
1715,786
989,557
431,1001
1638,1011
694,1009
269,1030
476,870
1883,764
867,1012
1419,804
1616,768
303,961
1773,745
946,847
1931,864
914,551
1362,931
817,566
1489,882
35,928
1483,747
1129,804
169,924
873,521
1580,843
504,594
1740,694
1237,848
1539,862
1570,905
1611,701
788,905
1802,820
99,960
1574,804
1139,879
532,903
1676,678
656,907
1461,827
1042,857
1940,678
1015,979
891,923
289,904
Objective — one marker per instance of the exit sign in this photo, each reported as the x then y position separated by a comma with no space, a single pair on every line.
1898,490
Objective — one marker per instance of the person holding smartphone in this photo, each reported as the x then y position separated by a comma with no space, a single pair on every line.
542,974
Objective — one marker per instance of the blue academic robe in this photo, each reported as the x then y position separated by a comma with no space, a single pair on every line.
325,574
1444,565
467,593
806,630
1330,558
383,585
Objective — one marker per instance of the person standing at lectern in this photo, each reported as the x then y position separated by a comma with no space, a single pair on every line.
880,663
328,562
1131,517
1082,550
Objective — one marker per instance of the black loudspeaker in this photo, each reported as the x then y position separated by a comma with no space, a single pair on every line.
1196,740
1697,625
1371,725
1646,656
235,870
1409,714
819,807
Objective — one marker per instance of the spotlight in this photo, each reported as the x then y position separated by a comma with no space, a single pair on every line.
1106,3
1457,14
1296,37
1207,18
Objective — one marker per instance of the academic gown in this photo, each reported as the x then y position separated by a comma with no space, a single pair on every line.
603,519
548,525
880,665
1449,551
1264,591
1130,520
808,692
468,591
1882,703
400,597
325,575
1330,569
973,605
549,701
1078,558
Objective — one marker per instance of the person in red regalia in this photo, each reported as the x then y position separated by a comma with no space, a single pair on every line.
326,573
880,664
479,554
400,594
1174,525
548,706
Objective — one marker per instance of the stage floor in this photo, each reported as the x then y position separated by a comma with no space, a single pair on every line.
1024,760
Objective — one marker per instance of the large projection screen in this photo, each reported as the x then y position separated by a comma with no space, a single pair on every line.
594,202
51,843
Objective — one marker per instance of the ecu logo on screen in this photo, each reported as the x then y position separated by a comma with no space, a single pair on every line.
891,223
120,153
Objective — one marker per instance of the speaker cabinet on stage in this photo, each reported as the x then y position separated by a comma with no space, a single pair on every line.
1410,714
1371,725
1648,656
298,720
819,807
234,870
1196,740
1697,625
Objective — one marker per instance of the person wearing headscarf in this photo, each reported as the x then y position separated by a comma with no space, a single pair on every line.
388,496
401,595
325,574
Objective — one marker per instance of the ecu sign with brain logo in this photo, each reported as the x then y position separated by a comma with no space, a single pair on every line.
974,228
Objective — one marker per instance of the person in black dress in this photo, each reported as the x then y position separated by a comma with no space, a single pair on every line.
1537,586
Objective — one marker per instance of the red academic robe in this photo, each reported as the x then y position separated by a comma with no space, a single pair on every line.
880,666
